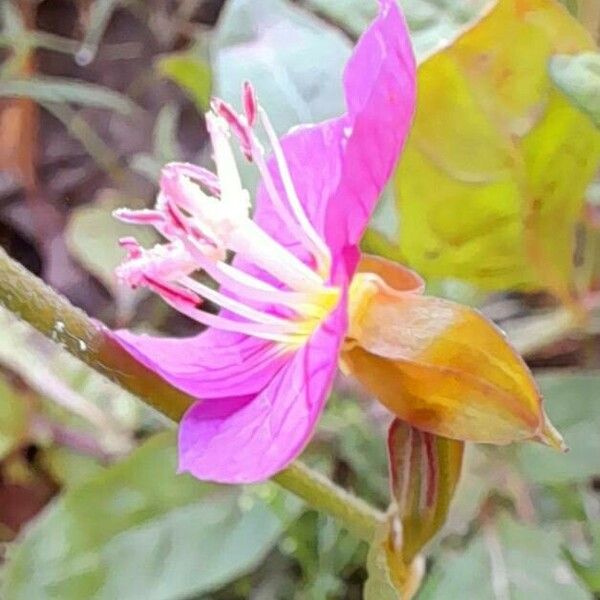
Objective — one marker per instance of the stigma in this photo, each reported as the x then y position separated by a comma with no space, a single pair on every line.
205,217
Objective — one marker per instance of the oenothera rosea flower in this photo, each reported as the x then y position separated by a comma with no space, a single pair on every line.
297,301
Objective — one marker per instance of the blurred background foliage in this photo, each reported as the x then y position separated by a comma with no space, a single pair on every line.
495,202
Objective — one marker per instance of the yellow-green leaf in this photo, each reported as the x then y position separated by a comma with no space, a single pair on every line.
13,418
491,184
191,72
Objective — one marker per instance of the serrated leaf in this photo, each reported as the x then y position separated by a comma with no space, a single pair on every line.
510,561
578,77
491,184
424,472
59,89
573,403
138,530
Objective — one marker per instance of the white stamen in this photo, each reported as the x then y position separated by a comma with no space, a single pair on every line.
288,333
258,247
243,310
321,250
283,212
202,228
232,193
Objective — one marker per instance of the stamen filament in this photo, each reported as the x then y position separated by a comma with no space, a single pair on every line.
254,289
261,249
278,204
230,304
279,296
249,287
322,251
290,334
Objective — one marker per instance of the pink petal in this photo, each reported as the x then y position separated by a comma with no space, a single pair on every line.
340,167
245,440
213,364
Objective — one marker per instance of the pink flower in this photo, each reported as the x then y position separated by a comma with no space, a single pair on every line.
263,368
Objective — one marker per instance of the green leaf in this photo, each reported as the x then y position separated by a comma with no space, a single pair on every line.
356,441
510,561
491,185
13,418
573,405
578,77
294,60
92,236
433,23
590,570
325,552
139,530
68,467
191,72
353,15
60,90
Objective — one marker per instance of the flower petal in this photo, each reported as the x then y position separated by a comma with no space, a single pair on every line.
340,167
445,369
213,364
380,86
244,440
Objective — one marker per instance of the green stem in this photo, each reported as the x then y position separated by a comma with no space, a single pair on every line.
54,316
321,493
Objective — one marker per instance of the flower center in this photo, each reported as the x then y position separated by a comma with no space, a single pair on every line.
204,216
